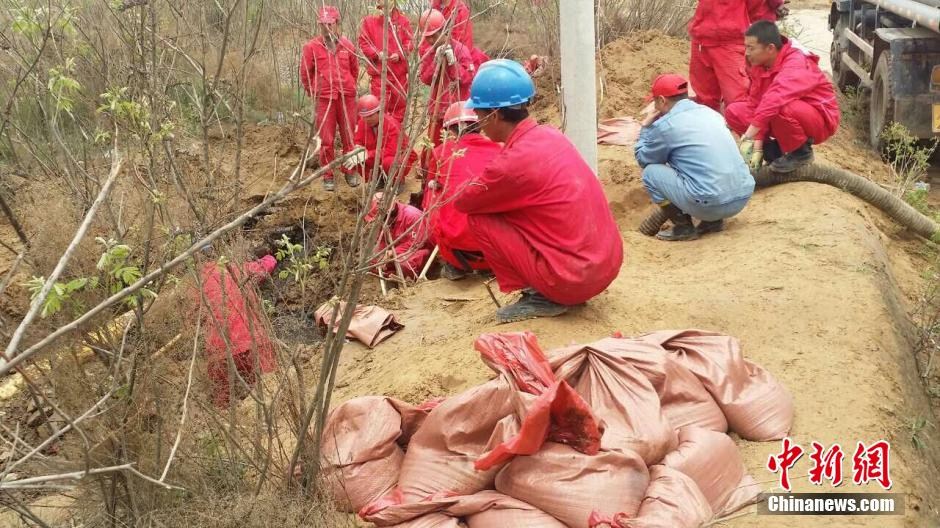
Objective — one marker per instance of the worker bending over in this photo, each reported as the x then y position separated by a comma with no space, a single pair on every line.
446,66
238,348
403,240
389,49
790,106
463,156
328,72
691,165
716,65
393,158
537,210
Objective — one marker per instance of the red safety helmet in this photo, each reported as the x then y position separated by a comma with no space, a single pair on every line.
368,104
668,85
431,22
459,113
328,15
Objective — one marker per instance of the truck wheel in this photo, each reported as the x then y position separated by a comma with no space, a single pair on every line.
842,76
881,108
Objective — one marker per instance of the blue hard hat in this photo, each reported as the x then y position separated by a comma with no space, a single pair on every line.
500,83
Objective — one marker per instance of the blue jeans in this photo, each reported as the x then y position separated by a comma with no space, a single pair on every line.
663,183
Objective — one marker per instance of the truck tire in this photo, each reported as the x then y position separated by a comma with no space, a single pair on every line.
881,106
842,76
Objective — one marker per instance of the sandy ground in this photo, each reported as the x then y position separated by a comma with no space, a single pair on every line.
812,30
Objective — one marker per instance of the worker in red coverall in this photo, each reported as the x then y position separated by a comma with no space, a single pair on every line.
538,210
459,159
717,69
328,72
393,163
790,106
457,15
446,66
390,47
406,231
233,326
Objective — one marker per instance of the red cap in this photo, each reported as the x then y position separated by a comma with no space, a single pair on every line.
668,85
328,15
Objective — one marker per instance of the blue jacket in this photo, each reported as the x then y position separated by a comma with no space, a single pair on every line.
695,141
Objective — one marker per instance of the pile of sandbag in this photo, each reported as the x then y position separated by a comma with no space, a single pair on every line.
622,433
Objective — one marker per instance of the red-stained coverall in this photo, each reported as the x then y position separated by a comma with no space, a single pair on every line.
329,77
791,101
374,38
717,67
452,83
457,13
454,164
409,234
234,317
542,219
368,137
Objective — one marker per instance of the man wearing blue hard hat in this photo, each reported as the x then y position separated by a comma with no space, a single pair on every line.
538,210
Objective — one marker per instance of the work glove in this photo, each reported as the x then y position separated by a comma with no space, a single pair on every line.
447,53
753,157
433,185
355,160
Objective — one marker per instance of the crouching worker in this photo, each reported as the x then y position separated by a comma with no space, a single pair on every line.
691,165
403,240
236,341
462,157
395,157
790,106
537,210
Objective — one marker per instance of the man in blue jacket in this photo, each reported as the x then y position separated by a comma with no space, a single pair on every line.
691,164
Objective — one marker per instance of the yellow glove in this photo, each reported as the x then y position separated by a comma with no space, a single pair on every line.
753,157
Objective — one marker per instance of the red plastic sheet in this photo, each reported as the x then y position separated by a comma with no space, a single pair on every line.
558,414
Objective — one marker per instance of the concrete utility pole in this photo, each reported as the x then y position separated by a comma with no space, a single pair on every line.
579,76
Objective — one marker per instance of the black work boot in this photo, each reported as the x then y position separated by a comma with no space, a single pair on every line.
682,226
772,151
703,227
531,305
798,158
352,179
453,273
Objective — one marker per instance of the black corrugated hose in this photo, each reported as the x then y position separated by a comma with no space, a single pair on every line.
861,187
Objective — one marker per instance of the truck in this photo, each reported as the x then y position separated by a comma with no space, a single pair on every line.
888,52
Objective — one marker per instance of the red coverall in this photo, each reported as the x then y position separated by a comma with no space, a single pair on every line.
329,77
792,101
453,82
235,316
368,137
717,67
373,38
454,164
411,245
542,219
458,13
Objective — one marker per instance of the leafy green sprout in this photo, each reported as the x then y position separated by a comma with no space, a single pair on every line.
297,264
60,295
119,271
